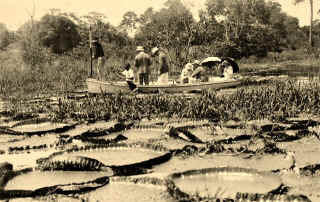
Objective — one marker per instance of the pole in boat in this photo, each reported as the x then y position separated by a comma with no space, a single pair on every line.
90,44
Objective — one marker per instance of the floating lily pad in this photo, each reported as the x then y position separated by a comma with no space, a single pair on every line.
72,163
31,121
42,128
121,157
38,180
129,189
224,181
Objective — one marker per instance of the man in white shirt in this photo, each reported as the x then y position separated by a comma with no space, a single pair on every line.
128,73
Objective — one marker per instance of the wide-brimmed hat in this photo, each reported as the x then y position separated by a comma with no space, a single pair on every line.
140,48
154,50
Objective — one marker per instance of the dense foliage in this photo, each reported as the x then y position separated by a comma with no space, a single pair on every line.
6,36
246,30
58,33
266,101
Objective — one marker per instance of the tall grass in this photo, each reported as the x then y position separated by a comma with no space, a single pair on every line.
61,73
68,71
276,100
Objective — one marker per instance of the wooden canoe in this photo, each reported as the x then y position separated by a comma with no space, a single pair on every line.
96,86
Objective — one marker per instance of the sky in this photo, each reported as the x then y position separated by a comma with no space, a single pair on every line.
14,13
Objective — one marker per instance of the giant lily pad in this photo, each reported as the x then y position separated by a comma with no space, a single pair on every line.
41,126
131,189
225,182
120,157
35,183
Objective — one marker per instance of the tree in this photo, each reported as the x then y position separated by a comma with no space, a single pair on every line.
249,27
146,17
173,27
129,22
311,19
58,33
4,36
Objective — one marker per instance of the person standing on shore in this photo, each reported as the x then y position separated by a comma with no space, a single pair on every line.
142,64
163,64
98,54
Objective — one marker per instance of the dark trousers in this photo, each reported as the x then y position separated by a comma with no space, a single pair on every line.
143,78
131,85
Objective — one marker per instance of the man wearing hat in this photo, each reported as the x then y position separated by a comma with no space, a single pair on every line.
142,63
98,54
163,64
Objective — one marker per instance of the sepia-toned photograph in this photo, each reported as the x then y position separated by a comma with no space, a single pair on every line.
159,100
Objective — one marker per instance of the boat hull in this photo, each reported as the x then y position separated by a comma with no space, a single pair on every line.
96,86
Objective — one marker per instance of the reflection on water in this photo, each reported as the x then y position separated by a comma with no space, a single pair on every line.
292,70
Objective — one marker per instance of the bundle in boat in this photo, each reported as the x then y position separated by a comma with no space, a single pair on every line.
224,182
121,159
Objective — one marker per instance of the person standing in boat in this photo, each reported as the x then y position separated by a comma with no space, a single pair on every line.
163,64
98,54
227,70
142,63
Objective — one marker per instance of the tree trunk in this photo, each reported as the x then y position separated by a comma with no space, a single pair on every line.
311,23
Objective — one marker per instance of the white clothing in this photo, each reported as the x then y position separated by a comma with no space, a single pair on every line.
186,72
163,78
228,72
128,74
